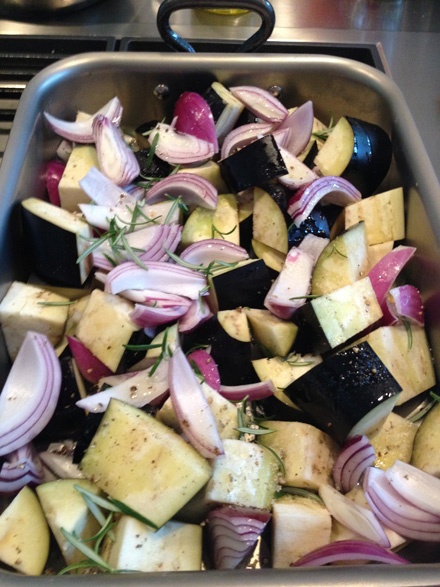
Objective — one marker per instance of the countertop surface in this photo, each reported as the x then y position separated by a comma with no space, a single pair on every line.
405,31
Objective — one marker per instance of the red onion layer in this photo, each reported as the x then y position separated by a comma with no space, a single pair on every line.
244,135
30,394
198,313
193,189
82,131
234,532
405,303
179,148
300,124
347,551
356,456
90,367
207,367
261,103
252,391
385,272
206,251
194,117
53,175
191,407
23,467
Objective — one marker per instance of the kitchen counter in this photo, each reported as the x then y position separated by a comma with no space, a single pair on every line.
406,33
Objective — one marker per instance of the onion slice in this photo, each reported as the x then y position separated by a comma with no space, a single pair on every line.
90,367
53,175
300,123
252,391
179,148
335,190
405,303
357,518
347,551
21,468
193,116
198,313
355,457
193,189
261,103
206,251
158,275
152,316
192,408
234,532
385,271
140,389
82,131
116,160
30,394
207,367
244,135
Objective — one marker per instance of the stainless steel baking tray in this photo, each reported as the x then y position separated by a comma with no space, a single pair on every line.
336,85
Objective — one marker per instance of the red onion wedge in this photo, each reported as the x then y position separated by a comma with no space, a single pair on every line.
207,251
419,488
22,467
193,189
335,190
405,302
300,123
244,135
151,297
398,513
160,276
116,160
356,455
193,116
252,391
192,409
198,312
385,272
90,367
82,131
234,532
30,394
207,367
299,174
103,191
53,175
152,316
138,390
293,283
147,244
357,518
348,551
261,103
179,148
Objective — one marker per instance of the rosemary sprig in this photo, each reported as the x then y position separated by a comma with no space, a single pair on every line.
165,351
295,361
215,230
300,491
177,203
207,270
409,332
324,133
64,303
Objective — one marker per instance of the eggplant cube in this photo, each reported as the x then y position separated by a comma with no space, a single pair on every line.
28,307
308,454
45,224
299,525
136,547
245,475
393,440
351,309
81,160
105,327
138,460
349,392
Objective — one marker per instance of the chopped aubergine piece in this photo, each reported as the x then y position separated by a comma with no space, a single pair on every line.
299,525
151,166
358,151
253,165
245,285
308,453
232,357
393,440
425,454
343,261
45,224
349,393
316,224
68,420
268,222
81,160
333,319
225,108
138,460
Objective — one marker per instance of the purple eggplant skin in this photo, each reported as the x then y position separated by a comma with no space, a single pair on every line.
311,337
317,224
246,285
253,165
371,158
232,357
343,389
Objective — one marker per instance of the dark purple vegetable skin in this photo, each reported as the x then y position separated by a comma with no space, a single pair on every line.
371,158
344,388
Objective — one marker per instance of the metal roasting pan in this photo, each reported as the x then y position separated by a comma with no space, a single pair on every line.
337,86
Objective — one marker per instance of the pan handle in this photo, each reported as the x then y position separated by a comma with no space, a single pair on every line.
262,7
